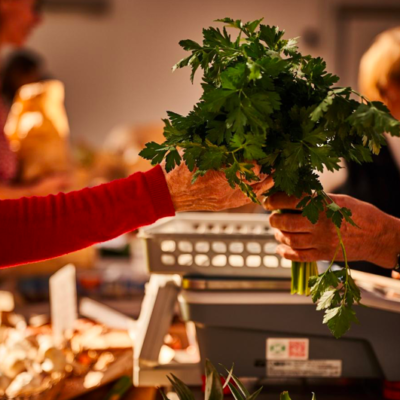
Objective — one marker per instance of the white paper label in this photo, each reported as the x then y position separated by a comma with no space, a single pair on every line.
63,301
287,349
304,369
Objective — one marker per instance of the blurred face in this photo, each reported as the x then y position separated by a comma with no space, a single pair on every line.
17,20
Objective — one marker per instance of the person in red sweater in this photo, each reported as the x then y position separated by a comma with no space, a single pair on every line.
38,228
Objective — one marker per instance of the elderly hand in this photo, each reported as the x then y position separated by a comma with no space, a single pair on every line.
377,239
210,192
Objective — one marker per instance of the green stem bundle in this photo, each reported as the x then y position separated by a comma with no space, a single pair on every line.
301,274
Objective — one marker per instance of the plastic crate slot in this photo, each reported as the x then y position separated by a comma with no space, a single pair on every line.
253,261
254,247
271,262
270,247
236,261
201,228
258,229
185,247
202,260
217,229
243,229
219,261
236,247
219,247
286,263
185,260
202,247
229,229
168,246
168,259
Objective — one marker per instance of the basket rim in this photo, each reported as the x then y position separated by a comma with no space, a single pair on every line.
153,230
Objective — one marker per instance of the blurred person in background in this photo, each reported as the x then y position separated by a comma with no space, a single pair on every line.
377,183
20,68
17,20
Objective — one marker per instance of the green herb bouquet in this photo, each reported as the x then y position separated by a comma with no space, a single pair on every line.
265,102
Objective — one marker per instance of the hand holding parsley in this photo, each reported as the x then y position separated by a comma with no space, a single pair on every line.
264,101
375,239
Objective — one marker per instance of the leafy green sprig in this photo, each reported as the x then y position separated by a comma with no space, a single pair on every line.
265,102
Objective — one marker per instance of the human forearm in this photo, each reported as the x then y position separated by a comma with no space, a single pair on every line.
38,228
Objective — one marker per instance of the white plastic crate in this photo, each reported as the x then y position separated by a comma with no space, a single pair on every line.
214,244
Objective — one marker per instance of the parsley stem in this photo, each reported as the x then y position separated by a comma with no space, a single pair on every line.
362,97
334,258
238,149
346,283
244,31
341,245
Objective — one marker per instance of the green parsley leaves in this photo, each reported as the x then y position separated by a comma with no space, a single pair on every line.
264,101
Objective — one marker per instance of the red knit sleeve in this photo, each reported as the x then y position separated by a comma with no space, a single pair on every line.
38,228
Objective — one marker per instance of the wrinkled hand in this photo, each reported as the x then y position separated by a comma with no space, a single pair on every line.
210,192
377,239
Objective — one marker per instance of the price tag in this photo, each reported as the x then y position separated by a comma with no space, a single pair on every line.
63,302
287,349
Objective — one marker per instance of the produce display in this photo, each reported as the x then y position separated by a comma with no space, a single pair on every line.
33,367
214,390
265,102
30,365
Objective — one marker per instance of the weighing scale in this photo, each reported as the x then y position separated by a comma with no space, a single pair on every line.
249,317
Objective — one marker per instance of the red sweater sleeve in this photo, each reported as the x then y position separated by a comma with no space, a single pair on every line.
38,228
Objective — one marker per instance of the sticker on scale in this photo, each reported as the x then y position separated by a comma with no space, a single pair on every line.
304,369
287,349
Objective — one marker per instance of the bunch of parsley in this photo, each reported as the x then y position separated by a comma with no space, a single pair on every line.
264,101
